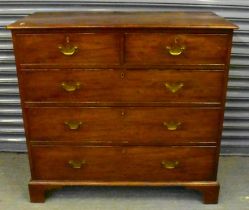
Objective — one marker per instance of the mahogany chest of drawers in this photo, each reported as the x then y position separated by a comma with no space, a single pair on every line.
123,99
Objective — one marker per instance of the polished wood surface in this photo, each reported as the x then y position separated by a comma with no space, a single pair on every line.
69,20
130,163
151,48
92,48
125,125
123,98
209,189
133,86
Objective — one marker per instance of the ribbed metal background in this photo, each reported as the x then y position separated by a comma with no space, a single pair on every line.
236,126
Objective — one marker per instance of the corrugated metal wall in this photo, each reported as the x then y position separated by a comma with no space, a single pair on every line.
236,126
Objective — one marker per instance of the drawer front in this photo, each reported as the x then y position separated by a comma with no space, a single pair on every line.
117,86
124,125
175,49
87,49
123,163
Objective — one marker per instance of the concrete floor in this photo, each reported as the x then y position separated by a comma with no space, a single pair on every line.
14,175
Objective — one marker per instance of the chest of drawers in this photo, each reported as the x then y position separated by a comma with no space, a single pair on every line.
123,99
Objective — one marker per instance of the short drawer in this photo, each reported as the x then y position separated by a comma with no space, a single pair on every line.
175,49
84,49
123,163
124,125
133,86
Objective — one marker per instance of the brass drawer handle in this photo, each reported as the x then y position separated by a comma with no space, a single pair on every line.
172,126
68,49
73,125
76,164
70,86
175,50
173,87
170,164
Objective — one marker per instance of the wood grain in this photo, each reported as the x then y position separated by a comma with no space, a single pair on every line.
124,125
129,164
70,20
151,48
92,49
133,86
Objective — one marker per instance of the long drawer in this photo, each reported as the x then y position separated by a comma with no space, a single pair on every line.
123,163
176,49
122,86
124,125
68,49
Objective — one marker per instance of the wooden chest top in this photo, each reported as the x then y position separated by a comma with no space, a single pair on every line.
54,20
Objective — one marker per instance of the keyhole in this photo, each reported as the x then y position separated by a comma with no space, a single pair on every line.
67,39
122,75
122,113
176,40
